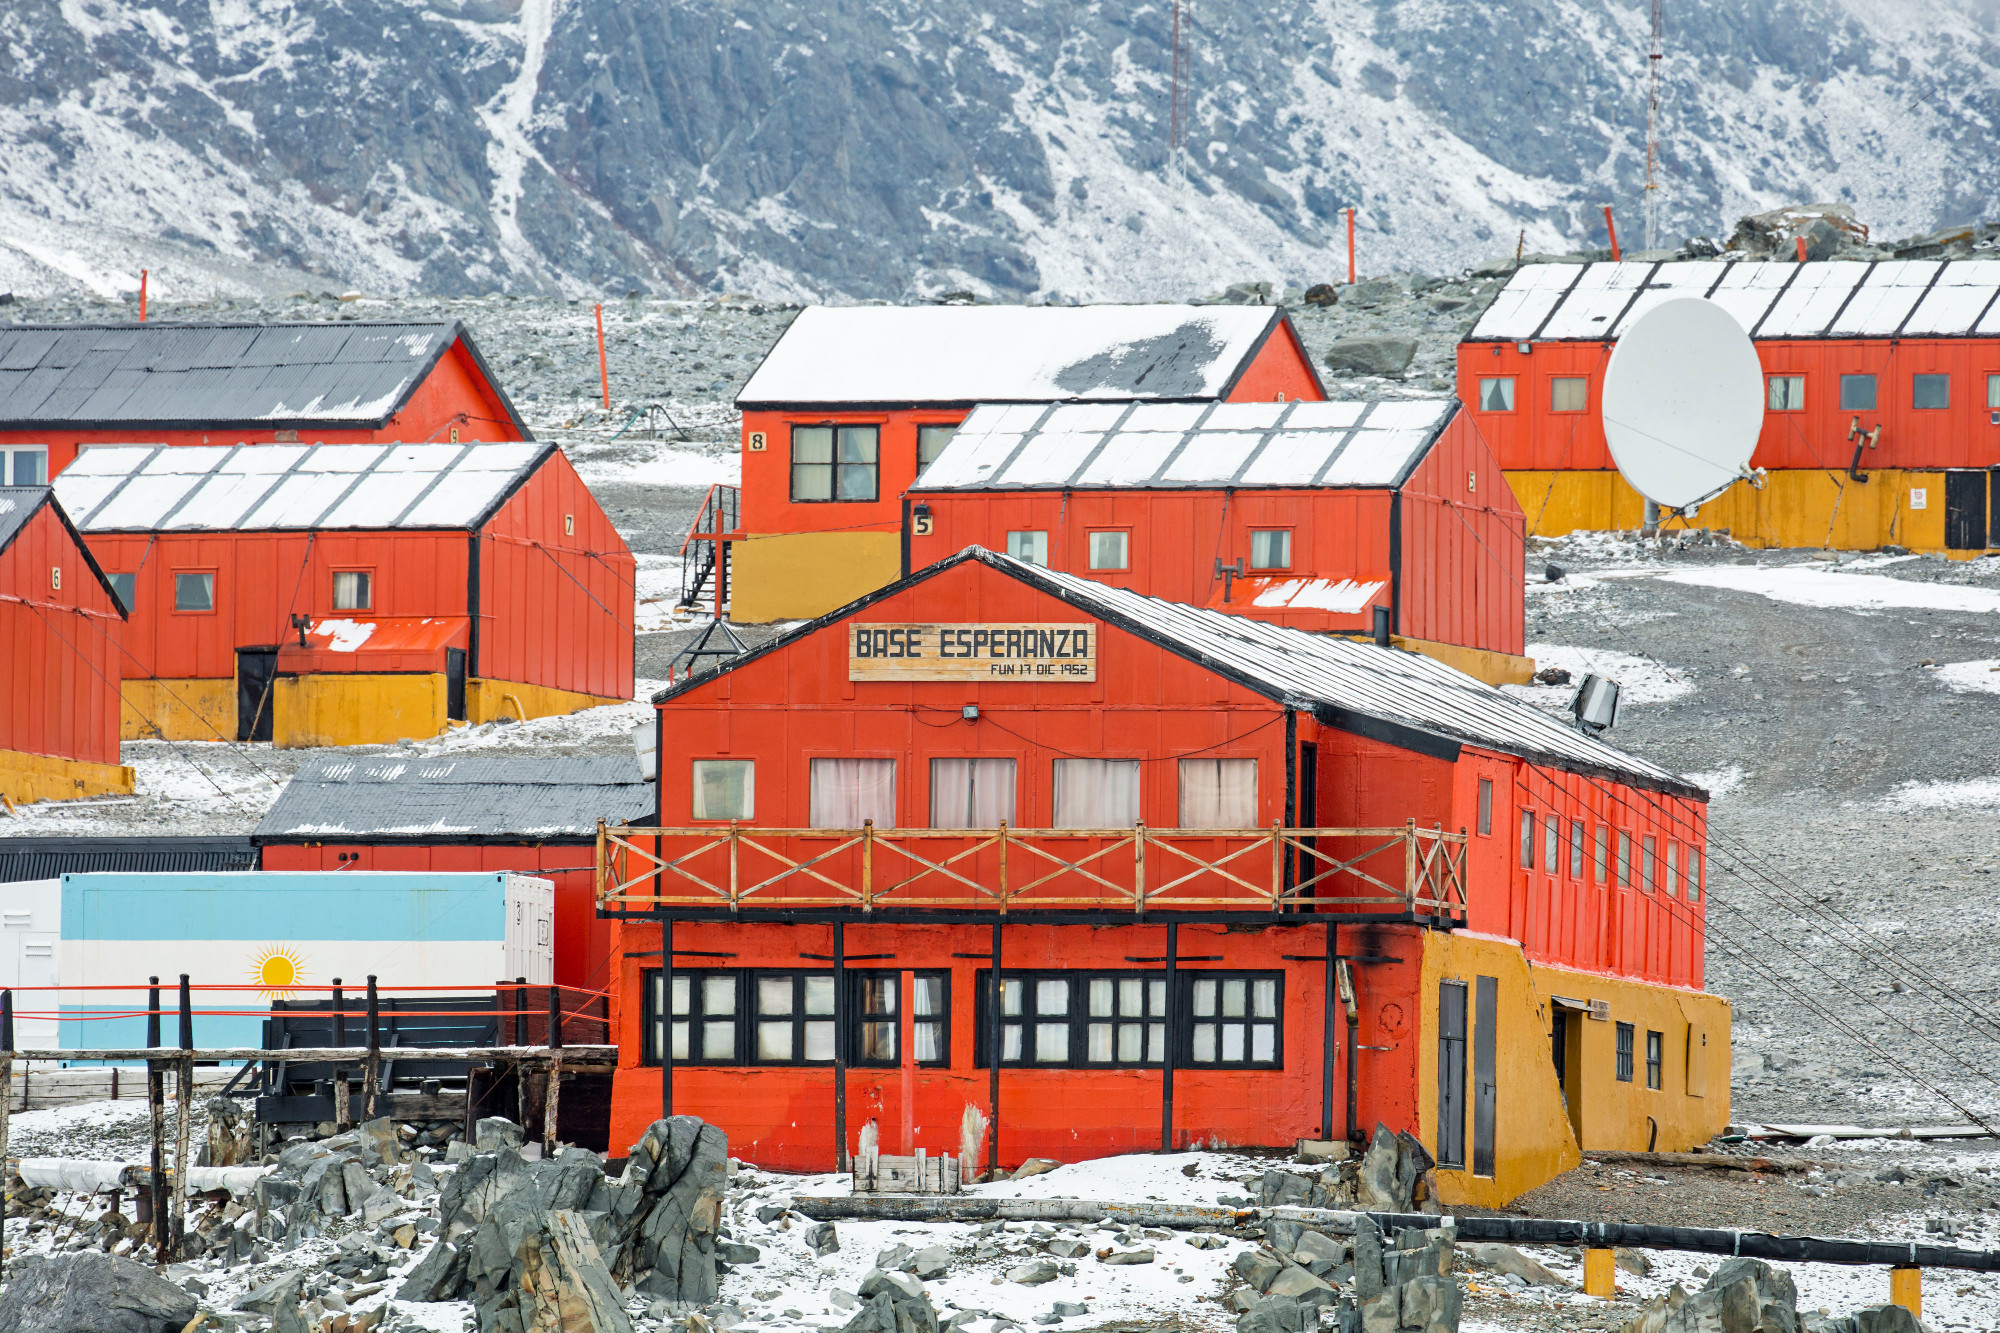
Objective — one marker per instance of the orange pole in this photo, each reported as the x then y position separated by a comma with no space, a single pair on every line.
1802,248
1350,247
142,296
1611,227
603,366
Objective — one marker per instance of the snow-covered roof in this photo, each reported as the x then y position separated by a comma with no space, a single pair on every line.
17,505
1081,446
195,376
881,355
217,488
1400,697
547,796
1902,298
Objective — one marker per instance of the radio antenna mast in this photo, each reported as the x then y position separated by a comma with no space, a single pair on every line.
1653,59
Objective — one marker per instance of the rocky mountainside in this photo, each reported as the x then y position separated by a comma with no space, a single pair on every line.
1017,149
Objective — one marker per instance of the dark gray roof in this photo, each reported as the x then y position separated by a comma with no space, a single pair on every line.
51,858
17,505
191,376
389,796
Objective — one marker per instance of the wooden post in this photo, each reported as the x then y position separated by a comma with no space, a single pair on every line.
550,1097
868,865
339,1071
521,1039
1600,1267
1139,866
1906,1285
1350,247
665,1017
1167,1055
6,1105
371,1074
1410,865
603,364
1329,1034
184,1125
156,1098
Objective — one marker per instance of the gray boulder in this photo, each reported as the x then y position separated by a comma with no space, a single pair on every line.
823,1239
1873,1319
1744,1296
93,1293
1259,1268
1277,1314
496,1132
1033,1273
1505,1259
1388,357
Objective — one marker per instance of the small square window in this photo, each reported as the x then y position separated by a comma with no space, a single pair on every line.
194,592
835,463
1857,393
351,590
1030,548
1497,394
31,466
725,789
1930,393
1788,393
931,441
1110,550
1569,393
1271,548
124,587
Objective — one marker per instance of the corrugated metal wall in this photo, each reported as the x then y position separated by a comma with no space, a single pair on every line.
59,647
1464,546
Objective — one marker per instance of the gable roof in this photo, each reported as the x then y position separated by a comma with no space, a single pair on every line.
253,487
1899,298
20,504
1402,698
478,796
343,374
1160,446
960,355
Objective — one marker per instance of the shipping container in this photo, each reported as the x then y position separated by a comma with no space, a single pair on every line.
1882,386
355,594
853,401
70,386
62,636
281,935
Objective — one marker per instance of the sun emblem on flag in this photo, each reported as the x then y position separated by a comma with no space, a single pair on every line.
278,969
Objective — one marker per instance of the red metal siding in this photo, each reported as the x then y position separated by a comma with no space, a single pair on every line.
59,648
555,606
453,394
261,579
782,1116
1280,372
583,941
1532,437
767,474
1464,547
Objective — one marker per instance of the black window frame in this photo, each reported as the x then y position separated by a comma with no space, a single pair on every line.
1186,1022
658,1035
1656,1043
1079,1017
835,468
750,1009
749,1015
1626,1033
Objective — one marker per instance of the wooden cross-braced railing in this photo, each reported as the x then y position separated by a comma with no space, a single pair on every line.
1406,870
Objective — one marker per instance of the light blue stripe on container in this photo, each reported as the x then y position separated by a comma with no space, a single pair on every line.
265,905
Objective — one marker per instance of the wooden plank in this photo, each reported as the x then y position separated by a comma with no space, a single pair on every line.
575,1058
1015,652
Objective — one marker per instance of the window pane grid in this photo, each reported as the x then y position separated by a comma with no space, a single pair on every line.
754,1016
1119,1020
835,463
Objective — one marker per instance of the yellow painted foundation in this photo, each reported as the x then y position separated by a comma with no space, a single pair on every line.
200,709
1794,508
486,700
1539,1132
28,777
798,576
1479,663
338,708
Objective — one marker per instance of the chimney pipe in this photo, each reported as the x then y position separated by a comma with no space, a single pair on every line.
1381,627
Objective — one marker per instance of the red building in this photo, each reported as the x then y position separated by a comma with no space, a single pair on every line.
1310,514
1882,412
1240,882
853,401
532,814
66,386
60,635
358,593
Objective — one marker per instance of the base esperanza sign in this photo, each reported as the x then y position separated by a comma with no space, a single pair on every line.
1050,653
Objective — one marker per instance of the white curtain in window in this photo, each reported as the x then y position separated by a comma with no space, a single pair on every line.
1097,793
1218,793
846,793
972,793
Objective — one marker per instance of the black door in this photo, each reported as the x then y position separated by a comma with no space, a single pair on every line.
1485,1004
1993,505
1309,865
454,684
1451,1074
256,672
1965,510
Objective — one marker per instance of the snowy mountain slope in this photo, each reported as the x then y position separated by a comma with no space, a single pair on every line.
880,148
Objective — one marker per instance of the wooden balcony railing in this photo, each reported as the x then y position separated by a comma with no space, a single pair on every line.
1407,870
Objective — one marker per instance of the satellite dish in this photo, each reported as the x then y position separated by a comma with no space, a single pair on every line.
1683,402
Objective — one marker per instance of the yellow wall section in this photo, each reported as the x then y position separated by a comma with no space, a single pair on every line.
486,700
39,777
178,710
1794,508
798,576
353,709
1533,1136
